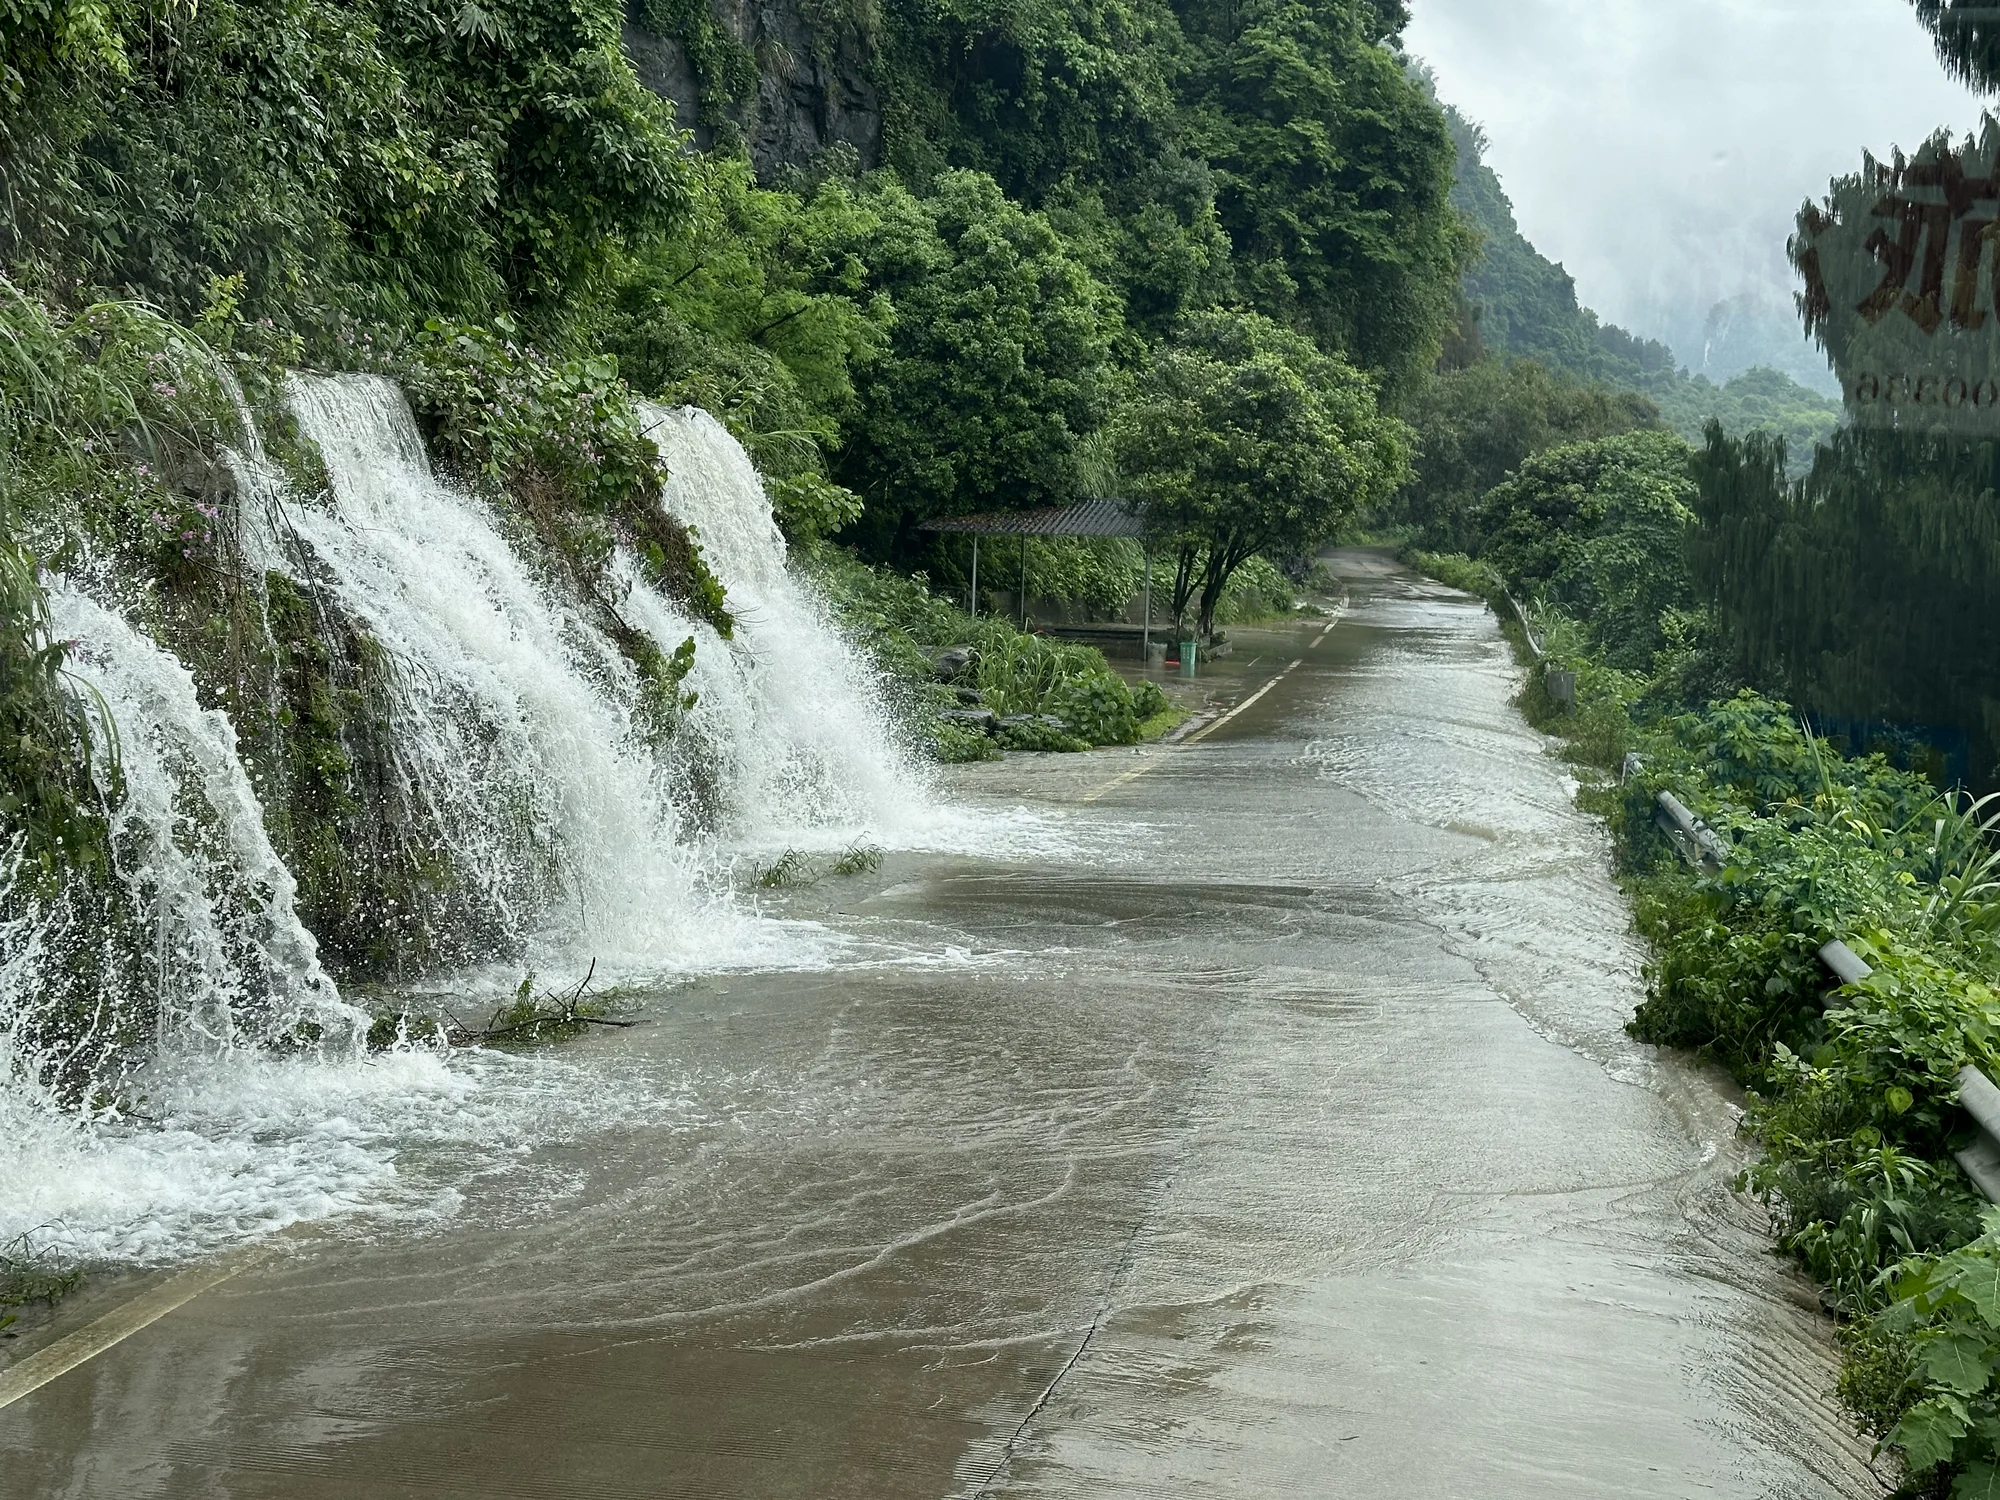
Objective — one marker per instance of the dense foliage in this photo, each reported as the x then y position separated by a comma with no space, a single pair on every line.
1598,530
1478,424
1244,439
1276,152
998,361
1070,694
1968,43
373,161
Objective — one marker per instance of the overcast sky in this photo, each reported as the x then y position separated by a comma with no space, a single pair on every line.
1660,148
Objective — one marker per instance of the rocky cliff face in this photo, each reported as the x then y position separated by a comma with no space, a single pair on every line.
812,91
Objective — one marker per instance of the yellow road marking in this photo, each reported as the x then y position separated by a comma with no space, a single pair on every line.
1207,729
1117,781
144,1310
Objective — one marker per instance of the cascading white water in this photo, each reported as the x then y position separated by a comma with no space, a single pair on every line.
231,959
513,735
512,714
212,977
787,710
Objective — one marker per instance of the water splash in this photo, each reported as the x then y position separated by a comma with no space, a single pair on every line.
512,715
511,724
790,716
228,959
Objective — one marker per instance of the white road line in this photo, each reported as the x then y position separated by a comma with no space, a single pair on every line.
1207,729
144,1310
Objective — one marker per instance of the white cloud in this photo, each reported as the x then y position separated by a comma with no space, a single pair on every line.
1660,148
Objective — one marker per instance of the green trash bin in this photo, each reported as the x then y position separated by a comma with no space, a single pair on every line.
1187,658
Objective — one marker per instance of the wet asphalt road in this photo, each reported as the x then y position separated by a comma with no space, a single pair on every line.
1280,1139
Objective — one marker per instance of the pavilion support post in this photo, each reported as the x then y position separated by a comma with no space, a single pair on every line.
1146,627
1024,583
975,575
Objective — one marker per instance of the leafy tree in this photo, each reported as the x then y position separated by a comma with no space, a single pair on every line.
1758,400
1599,529
383,161
1334,176
1967,41
1035,93
998,361
1156,239
1476,426
1242,438
1200,151
760,312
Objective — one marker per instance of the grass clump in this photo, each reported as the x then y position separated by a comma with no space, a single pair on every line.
1456,570
30,1274
792,868
858,859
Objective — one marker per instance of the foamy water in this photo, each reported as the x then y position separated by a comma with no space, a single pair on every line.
514,736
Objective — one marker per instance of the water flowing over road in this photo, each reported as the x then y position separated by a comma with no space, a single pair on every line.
1273,1132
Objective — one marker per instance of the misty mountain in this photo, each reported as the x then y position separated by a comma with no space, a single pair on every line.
1526,307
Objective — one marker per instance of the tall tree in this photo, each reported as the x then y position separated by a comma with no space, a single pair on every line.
1967,34
1475,427
998,361
1334,176
1243,438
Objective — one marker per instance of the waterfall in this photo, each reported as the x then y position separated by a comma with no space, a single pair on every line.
512,714
788,713
231,1093
232,962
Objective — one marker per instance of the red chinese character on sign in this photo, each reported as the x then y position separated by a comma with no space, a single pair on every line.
1921,246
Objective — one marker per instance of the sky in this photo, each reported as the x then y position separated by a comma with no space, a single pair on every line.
1660,149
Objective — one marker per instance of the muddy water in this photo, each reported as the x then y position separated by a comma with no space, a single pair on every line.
1278,1136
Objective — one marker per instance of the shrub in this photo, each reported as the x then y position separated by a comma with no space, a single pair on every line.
906,627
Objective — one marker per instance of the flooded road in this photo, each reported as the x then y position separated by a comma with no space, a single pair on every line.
1280,1137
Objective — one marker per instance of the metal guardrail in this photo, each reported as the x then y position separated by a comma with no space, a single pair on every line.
1560,683
1845,964
1979,1158
1698,844
1534,646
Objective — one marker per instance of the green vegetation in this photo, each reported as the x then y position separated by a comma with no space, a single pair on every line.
999,360
1479,424
1243,439
790,868
938,660
795,867
29,1274
1966,41
1256,592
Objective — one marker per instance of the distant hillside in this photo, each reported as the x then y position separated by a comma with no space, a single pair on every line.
1752,329
1527,309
